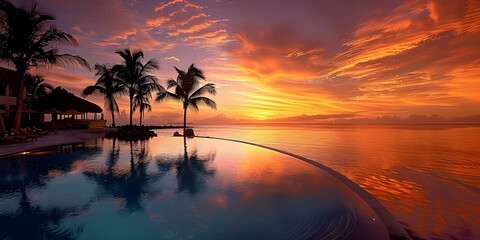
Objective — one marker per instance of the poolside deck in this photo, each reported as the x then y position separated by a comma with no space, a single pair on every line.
62,137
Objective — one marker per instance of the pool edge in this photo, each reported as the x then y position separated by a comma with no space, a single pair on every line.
395,230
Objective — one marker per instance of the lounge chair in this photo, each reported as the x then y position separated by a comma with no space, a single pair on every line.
16,137
6,139
26,135
36,131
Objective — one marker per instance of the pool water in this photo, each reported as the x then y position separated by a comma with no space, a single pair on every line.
165,188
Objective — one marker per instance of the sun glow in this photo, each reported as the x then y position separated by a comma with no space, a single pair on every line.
383,61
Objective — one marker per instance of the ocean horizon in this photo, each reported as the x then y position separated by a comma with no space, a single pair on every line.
425,175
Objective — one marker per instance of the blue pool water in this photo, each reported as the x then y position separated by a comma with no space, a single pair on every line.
165,189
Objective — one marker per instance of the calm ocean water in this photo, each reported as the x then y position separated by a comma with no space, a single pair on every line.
427,176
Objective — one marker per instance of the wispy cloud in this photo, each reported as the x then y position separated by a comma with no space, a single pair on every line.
173,58
188,23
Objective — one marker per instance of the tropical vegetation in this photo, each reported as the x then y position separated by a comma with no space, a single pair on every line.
26,42
135,77
188,90
108,86
36,87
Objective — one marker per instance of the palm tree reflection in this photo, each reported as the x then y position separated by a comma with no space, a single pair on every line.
129,186
33,222
192,170
20,174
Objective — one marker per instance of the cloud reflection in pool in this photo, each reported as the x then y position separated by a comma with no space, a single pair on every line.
166,188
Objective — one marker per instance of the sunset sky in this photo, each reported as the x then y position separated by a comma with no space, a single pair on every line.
280,58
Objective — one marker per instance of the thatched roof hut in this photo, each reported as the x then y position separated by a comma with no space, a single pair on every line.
63,100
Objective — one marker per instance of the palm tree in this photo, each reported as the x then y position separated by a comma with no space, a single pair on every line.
106,85
36,87
135,75
26,43
188,91
142,102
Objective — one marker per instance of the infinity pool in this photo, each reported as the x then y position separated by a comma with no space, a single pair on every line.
165,188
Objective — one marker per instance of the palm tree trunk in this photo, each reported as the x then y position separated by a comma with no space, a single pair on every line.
184,121
20,92
141,117
113,118
131,109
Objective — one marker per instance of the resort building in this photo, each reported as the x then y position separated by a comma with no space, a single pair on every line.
8,95
8,90
59,109
65,110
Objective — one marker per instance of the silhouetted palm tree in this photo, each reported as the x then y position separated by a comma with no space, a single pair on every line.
135,75
142,101
142,104
36,87
25,43
188,91
108,86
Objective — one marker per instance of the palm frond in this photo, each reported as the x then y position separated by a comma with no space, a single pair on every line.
196,73
207,101
194,106
54,35
207,88
90,90
152,64
71,60
166,96
171,83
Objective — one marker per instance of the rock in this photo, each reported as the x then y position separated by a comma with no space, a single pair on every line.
132,133
189,132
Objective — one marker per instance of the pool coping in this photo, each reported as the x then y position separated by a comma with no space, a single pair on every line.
396,231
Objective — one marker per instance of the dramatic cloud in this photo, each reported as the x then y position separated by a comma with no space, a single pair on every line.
278,59
403,58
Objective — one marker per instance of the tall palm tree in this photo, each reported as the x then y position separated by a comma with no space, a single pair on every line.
108,86
135,75
26,42
188,91
36,87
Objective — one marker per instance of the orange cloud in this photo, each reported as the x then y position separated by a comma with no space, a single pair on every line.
194,28
392,62
188,23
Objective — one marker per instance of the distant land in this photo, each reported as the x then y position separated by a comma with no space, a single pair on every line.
344,119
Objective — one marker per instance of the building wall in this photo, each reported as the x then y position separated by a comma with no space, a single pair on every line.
5,99
8,98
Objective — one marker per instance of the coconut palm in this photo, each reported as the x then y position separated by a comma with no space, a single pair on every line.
36,87
108,86
135,75
26,42
188,91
